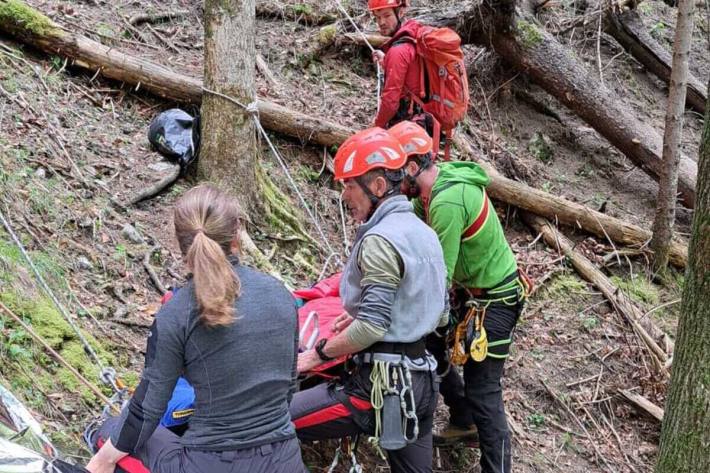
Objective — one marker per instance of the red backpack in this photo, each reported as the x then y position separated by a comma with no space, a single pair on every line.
444,80
444,83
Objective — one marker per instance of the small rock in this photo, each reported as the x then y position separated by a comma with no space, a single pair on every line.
83,263
121,312
41,173
130,232
160,166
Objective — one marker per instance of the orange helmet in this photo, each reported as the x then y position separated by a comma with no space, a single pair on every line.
366,150
412,137
373,5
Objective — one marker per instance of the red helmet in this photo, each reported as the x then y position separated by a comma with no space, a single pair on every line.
366,150
373,5
412,137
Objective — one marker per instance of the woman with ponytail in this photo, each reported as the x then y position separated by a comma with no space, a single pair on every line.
232,332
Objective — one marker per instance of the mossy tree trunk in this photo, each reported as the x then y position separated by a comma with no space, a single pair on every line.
228,150
668,181
685,435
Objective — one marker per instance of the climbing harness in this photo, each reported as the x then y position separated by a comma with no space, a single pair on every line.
107,374
350,450
469,336
392,400
253,110
380,74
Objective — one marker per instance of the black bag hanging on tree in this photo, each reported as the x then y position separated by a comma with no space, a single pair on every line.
176,135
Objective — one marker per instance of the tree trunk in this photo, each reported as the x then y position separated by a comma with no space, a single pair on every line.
685,435
228,146
668,184
628,30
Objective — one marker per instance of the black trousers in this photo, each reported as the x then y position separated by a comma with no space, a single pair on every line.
163,453
478,397
322,413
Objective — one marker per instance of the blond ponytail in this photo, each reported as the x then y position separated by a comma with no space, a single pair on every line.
206,224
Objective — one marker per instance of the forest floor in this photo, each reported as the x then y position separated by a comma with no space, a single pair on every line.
72,143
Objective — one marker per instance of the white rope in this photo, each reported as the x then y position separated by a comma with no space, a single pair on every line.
346,242
372,50
107,375
253,110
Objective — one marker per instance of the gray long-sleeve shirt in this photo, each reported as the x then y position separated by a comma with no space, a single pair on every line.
243,374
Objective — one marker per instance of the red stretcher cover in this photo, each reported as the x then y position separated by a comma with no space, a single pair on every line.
324,299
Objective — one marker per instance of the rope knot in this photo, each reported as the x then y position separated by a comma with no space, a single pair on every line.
253,108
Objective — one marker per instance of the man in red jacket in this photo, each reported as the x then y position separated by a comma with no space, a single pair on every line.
398,58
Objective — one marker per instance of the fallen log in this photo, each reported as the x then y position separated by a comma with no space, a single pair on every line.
643,403
157,188
565,211
298,12
628,30
530,49
646,330
136,20
44,34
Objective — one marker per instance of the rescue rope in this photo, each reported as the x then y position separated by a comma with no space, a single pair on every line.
372,50
346,242
381,385
253,110
106,374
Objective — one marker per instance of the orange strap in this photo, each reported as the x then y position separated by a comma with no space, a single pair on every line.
459,354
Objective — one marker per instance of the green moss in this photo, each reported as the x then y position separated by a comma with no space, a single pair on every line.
131,378
280,213
528,34
564,284
638,288
326,34
20,15
302,9
44,318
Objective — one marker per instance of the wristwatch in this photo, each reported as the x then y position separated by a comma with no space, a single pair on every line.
319,349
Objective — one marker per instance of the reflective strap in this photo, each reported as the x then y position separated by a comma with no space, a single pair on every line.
499,357
500,342
182,413
480,220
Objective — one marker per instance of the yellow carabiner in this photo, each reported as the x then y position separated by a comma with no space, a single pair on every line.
479,345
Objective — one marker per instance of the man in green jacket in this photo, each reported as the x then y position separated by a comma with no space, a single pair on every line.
482,272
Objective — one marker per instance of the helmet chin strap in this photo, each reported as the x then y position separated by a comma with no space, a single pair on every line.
415,190
399,20
374,200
